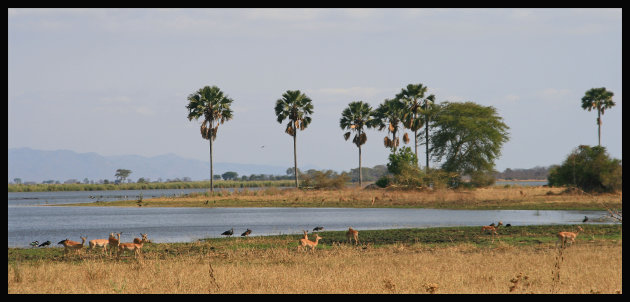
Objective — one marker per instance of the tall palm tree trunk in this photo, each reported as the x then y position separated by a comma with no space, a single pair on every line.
599,127
426,139
295,157
211,170
415,144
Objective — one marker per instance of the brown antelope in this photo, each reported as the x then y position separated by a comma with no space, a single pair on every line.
493,229
104,243
352,233
132,246
70,245
305,234
140,240
305,242
570,236
113,242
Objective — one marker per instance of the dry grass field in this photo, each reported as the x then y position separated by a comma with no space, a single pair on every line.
589,266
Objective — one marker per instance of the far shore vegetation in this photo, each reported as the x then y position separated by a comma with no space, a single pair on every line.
497,197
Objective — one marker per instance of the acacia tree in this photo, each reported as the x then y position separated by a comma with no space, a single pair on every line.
389,114
356,116
599,99
211,104
469,136
122,174
297,108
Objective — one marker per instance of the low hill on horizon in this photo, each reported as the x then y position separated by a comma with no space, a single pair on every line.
40,165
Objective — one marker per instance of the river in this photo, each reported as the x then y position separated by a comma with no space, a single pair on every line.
29,220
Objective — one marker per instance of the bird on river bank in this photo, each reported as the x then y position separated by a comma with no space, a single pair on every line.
246,233
228,232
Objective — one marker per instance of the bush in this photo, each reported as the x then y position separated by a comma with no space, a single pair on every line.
482,179
590,169
384,181
325,180
403,165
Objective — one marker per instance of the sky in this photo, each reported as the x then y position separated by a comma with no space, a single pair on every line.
116,81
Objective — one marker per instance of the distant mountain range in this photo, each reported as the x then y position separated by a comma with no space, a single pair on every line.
39,165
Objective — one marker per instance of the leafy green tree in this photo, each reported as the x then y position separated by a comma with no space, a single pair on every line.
390,114
469,137
122,174
413,99
230,175
599,99
295,107
354,118
588,168
213,106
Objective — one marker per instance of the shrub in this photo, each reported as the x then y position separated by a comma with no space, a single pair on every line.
325,180
590,169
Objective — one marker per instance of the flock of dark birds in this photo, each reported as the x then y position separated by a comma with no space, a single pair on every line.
230,232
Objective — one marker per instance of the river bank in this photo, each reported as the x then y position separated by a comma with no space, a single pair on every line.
507,197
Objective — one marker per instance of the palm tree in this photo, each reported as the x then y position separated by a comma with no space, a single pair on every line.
389,114
211,104
429,110
354,118
411,98
296,107
600,99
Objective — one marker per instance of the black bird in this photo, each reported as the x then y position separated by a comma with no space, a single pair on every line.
35,243
228,232
585,219
45,243
492,224
508,225
246,233
319,228
62,241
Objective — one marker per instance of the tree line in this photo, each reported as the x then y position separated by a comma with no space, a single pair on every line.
464,136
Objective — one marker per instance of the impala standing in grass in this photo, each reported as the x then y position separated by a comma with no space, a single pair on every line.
563,237
312,244
70,245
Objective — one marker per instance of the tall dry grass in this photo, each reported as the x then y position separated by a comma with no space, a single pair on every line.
398,268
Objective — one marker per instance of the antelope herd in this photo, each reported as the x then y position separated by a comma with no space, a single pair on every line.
113,245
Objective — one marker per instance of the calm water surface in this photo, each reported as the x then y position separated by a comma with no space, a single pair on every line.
29,221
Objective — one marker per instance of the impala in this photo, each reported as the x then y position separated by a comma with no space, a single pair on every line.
104,243
493,229
113,242
564,236
70,245
140,240
305,242
132,246
352,233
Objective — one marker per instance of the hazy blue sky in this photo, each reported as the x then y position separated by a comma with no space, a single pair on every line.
115,81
